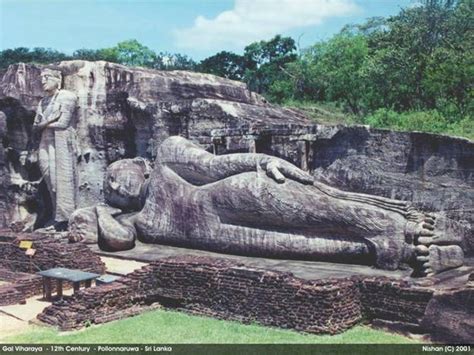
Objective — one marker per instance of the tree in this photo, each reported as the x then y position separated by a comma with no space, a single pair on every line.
265,60
421,59
133,53
337,64
107,54
25,55
225,64
176,61
86,54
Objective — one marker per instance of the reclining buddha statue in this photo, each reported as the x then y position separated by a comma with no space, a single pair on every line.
259,205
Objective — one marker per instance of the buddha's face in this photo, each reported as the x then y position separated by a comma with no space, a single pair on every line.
50,82
123,184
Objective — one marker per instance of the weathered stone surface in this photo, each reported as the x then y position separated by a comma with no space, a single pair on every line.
83,224
4,178
127,112
257,204
58,147
434,172
449,316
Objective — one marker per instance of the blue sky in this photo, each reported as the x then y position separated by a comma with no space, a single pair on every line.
198,28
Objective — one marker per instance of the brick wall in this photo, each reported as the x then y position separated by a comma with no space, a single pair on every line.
10,295
218,288
94,305
51,251
19,287
225,289
391,300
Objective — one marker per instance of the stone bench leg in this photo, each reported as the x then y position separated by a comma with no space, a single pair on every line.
76,286
59,290
47,288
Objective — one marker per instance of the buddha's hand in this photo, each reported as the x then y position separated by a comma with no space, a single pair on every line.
103,208
279,169
39,126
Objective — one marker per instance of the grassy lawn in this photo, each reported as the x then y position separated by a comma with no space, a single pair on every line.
174,327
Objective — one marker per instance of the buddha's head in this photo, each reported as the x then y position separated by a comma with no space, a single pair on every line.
124,183
51,80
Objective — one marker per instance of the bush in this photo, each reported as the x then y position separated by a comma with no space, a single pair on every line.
463,128
383,118
279,91
425,121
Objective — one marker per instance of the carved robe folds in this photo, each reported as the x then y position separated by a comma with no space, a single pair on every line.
58,151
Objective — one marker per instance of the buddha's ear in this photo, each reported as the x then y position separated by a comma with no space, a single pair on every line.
144,164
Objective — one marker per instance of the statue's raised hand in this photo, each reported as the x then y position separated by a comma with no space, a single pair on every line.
279,170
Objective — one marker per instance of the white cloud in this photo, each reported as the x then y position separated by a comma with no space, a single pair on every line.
253,20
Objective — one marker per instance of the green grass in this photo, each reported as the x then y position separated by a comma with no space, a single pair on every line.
174,327
323,112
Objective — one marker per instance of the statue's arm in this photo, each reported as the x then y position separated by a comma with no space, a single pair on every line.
39,116
115,233
67,106
200,167
40,122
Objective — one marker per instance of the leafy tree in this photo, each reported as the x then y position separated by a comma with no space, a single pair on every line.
336,70
107,54
133,53
421,57
226,64
86,54
265,62
176,61
25,55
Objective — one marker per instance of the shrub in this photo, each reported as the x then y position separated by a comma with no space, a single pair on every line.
425,121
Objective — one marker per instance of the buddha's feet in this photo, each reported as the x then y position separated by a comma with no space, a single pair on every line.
434,248
435,258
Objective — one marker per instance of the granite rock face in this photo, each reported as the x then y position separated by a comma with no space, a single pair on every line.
127,112
434,172
4,179
449,316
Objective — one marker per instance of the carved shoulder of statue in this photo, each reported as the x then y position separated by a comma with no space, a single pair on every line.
67,100
64,106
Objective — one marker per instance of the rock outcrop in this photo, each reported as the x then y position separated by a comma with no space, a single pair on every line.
4,179
127,112
449,316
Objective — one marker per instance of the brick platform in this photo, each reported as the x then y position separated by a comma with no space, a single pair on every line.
391,300
218,288
226,289
51,251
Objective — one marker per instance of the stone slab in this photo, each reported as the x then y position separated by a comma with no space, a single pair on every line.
61,273
120,266
309,270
